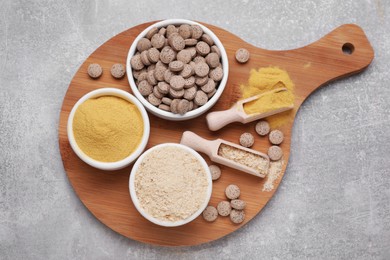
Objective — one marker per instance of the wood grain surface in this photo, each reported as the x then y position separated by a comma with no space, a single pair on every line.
106,194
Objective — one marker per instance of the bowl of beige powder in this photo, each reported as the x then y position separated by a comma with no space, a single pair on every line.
170,185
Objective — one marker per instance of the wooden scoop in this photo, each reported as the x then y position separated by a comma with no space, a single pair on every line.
217,120
212,150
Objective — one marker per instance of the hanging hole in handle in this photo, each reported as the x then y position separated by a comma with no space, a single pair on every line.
348,48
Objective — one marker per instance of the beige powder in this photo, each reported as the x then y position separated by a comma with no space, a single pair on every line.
275,169
171,184
251,160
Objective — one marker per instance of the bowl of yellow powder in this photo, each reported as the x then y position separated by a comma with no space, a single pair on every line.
108,128
170,184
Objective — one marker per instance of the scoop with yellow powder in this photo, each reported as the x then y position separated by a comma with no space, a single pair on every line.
108,128
251,109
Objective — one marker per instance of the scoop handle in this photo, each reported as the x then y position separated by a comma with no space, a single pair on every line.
217,120
197,143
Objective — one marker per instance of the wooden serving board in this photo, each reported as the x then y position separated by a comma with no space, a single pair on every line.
106,194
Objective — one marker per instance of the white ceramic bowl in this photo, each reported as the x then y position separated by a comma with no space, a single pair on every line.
169,115
109,165
154,220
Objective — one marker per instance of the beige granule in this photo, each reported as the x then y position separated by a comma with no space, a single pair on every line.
275,169
243,157
171,184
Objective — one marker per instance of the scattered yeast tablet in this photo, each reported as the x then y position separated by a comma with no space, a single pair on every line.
232,192
118,71
210,214
224,208
275,153
238,204
276,137
242,55
95,70
262,128
215,172
247,139
237,216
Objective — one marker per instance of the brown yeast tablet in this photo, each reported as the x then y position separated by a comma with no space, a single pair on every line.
210,214
151,32
212,60
262,128
216,74
237,216
174,104
202,69
190,42
136,62
209,86
118,71
189,82
171,29
190,93
159,73
176,42
209,95
216,50
95,70
153,55
187,71
207,39
136,73
242,55
197,31
167,55
158,41
144,58
200,81
215,172
183,106
176,93
150,78
199,59
157,93
232,192
163,87
145,88
162,31
276,137
168,75
176,66
155,101
200,98
184,56
143,44
275,153
166,101
247,139
224,208
185,31
237,204
177,82
202,48
164,107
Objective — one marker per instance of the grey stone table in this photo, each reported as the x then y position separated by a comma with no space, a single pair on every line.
334,201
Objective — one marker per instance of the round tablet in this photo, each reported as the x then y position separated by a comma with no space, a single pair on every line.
210,214
166,101
167,55
207,39
158,41
177,82
95,70
275,153
155,101
212,60
276,137
202,48
136,62
200,98
202,69
209,86
164,107
143,44
242,55
151,32
232,192
216,74
262,128
247,139
183,106
145,88
237,216
118,71
176,42
224,208
184,56
190,93
153,55
163,87
197,31
238,204
185,31
215,172
174,104
176,66
189,82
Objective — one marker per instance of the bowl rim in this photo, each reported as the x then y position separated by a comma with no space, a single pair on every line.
196,112
109,165
154,220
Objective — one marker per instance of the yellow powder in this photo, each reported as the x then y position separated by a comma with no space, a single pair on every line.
263,80
108,128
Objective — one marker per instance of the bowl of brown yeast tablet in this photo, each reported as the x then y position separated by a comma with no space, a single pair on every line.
177,68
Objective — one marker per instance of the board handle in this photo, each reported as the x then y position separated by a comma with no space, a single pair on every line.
343,52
